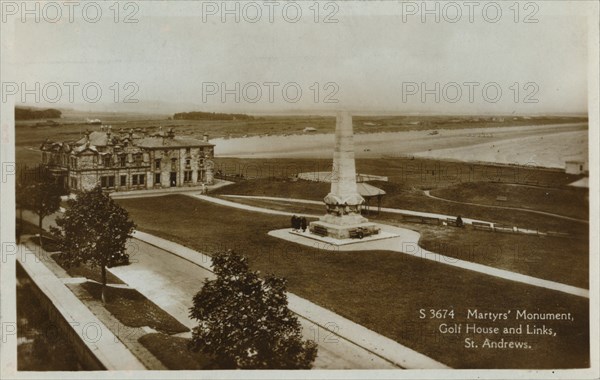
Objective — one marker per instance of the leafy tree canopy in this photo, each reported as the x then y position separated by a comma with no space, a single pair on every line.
244,320
94,231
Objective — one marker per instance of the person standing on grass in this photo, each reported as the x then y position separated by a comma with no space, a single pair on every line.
303,224
459,222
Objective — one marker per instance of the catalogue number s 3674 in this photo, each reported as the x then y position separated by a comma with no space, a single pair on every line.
436,313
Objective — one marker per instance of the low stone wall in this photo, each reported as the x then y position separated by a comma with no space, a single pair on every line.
97,348
88,360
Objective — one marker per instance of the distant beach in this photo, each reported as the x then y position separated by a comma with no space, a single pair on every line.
537,145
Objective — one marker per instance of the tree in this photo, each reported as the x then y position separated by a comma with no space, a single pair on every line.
244,321
41,197
94,230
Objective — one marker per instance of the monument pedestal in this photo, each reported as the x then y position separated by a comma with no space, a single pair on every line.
343,231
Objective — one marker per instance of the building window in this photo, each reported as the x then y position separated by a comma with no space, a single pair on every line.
73,163
123,160
187,176
200,175
157,164
107,181
73,183
173,164
123,180
188,163
188,150
157,179
138,179
106,161
138,158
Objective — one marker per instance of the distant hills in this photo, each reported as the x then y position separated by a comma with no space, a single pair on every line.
35,114
211,116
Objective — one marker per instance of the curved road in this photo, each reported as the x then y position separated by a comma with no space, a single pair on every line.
428,194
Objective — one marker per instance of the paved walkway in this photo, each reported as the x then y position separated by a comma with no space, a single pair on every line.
408,243
126,334
428,194
409,239
241,206
384,209
161,275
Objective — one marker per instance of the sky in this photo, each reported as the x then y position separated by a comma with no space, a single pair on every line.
377,57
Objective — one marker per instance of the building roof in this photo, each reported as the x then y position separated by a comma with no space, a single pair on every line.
96,138
96,141
366,190
583,182
82,148
156,140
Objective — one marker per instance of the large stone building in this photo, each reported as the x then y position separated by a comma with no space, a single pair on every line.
130,160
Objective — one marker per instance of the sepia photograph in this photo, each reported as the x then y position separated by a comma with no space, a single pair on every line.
299,189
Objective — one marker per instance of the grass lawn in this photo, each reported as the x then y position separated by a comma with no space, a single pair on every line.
413,172
134,310
380,290
173,352
539,256
544,257
567,201
295,207
401,197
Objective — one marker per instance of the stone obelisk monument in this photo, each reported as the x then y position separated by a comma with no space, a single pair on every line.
343,219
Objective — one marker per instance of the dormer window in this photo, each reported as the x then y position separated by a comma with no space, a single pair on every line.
107,161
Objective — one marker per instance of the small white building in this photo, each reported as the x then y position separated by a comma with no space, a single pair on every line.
576,167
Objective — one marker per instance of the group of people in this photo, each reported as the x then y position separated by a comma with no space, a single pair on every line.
299,223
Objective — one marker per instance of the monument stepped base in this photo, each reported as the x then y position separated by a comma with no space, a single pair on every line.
326,241
343,231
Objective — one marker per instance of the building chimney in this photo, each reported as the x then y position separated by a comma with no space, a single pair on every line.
205,137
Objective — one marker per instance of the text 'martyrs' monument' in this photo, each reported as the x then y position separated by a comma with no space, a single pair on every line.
343,219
